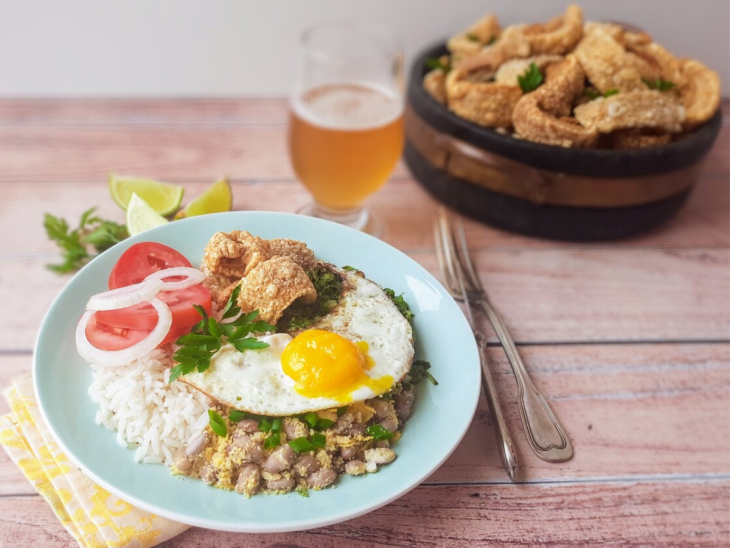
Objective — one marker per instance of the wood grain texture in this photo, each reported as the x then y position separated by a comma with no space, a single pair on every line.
620,514
703,223
625,407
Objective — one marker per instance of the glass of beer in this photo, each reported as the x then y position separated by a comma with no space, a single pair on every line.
346,119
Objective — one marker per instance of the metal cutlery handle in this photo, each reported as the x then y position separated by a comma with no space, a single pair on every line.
504,439
544,432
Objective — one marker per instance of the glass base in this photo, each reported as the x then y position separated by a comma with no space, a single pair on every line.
359,219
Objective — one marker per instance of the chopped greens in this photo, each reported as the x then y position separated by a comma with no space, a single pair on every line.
237,416
272,441
609,92
436,63
531,78
265,425
74,244
350,268
401,304
217,424
303,492
301,445
379,432
492,40
472,37
329,291
659,84
208,335
276,426
595,94
419,371
342,410
323,424
311,418
318,440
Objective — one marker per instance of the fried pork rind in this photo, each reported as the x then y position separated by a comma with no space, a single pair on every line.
631,139
663,62
543,115
700,92
608,65
471,41
511,70
485,103
219,285
295,250
511,44
636,109
235,253
272,286
558,36
435,84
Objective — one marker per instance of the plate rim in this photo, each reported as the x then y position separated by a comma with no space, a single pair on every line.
245,527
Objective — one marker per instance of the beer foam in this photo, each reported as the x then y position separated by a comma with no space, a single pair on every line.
347,106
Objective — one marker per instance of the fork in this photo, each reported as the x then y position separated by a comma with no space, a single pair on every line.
544,432
453,277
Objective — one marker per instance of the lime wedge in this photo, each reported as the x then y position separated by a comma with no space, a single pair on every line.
164,198
216,199
141,217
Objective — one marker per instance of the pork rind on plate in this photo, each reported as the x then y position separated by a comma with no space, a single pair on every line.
272,286
296,251
234,253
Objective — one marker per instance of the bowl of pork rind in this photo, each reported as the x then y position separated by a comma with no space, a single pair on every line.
566,129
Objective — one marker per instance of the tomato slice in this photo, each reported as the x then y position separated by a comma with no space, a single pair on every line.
109,338
141,260
144,317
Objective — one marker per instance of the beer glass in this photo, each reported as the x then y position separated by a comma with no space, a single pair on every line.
346,119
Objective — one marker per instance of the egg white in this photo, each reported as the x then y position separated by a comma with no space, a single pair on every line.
254,380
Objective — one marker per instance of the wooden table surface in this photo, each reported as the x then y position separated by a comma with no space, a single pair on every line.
629,341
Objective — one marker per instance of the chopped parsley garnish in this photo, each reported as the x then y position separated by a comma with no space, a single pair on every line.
379,432
74,244
436,63
329,291
401,304
472,37
419,371
208,335
659,84
531,78
217,424
301,445
237,416
303,492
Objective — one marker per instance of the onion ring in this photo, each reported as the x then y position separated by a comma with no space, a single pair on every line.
193,276
124,297
122,357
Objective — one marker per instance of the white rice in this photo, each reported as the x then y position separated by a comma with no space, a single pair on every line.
146,411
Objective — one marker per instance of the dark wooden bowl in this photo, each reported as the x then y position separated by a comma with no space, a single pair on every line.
543,190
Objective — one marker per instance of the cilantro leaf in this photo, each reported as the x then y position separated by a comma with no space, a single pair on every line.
531,79
659,84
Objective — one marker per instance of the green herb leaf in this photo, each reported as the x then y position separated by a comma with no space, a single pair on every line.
350,268
342,410
659,84
311,418
609,92
237,416
303,492
472,37
217,424
436,63
231,308
272,441
329,291
248,343
214,328
419,371
401,304
323,424
379,432
265,425
318,440
531,78
276,425
591,93
301,445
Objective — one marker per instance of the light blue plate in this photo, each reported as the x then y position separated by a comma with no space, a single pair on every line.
442,413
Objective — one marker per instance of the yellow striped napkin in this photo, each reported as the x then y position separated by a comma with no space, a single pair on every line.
92,515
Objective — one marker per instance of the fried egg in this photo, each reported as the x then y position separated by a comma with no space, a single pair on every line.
360,350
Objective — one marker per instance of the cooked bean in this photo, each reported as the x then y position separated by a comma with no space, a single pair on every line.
281,459
348,453
253,452
356,429
306,464
249,426
355,468
209,474
248,479
404,404
371,467
182,462
380,455
342,424
294,428
389,424
281,484
196,445
382,443
382,409
321,478
240,438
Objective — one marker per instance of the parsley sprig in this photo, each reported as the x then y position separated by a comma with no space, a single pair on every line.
208,335
531,78
93,232
659,84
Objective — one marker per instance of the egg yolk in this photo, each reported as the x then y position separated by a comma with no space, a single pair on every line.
327,365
